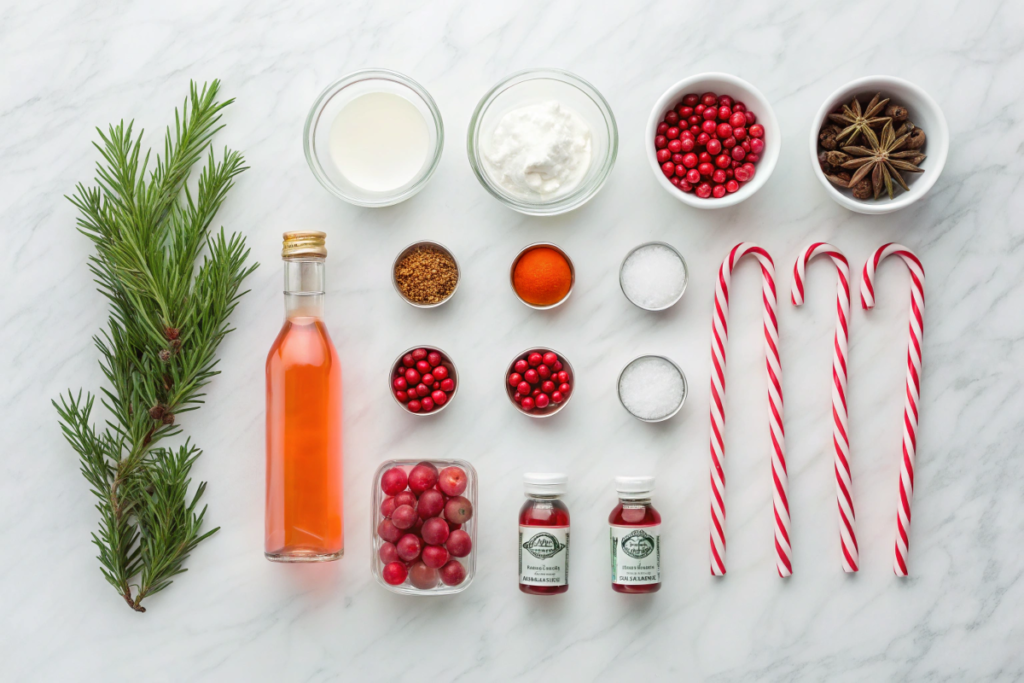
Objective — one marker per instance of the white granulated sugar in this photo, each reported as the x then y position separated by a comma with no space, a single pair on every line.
653,276
651,388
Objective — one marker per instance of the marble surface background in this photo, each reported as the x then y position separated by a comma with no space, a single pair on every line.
70,66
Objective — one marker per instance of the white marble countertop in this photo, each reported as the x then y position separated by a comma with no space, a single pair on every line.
71,66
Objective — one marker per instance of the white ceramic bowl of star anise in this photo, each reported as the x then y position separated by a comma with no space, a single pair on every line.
921,113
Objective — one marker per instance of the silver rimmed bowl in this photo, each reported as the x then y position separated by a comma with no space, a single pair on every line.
660,418
686,275
446,361
519,256
414,247
552,408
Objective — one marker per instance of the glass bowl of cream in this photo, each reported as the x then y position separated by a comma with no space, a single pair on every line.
374,137
543,141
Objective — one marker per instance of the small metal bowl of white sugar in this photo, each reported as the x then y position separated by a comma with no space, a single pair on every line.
653,276
652,388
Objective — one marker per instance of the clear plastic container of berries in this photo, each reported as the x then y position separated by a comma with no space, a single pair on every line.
423,532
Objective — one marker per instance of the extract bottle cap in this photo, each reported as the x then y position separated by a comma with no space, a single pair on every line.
545,483
299,243
634,487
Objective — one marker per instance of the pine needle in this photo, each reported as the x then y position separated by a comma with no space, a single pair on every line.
158,350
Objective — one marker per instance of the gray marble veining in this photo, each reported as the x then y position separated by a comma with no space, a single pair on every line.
70,66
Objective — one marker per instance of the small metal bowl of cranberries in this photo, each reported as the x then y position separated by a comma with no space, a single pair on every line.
712,140
423,380
540,382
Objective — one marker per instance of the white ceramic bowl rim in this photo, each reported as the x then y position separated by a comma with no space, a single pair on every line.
937,145
765,116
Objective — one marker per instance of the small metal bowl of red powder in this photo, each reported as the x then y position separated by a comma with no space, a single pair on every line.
542,372
542,275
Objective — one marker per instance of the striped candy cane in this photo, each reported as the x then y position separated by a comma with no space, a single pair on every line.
840,432
910,411
720,334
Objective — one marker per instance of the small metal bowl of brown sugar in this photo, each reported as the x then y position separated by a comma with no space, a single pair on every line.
425,274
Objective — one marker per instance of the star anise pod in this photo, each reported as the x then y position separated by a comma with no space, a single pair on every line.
860,121
883,161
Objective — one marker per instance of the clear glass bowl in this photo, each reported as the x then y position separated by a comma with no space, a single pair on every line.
540,85
377,496
316,134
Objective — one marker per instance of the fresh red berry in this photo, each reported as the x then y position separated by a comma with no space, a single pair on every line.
672,133
731,186
691,100
724,112
660,141
690,160
662,127
714,147
542,401
718,191
527,403
668,168
706,169
718,176
673,147
703,190
448,385
693,176
756,130
757,145
709,99
671,118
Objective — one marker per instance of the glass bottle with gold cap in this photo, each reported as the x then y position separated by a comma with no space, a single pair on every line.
304,478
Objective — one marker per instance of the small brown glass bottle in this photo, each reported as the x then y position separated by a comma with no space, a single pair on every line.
544,536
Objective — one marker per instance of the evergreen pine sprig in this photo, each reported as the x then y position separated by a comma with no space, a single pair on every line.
158,350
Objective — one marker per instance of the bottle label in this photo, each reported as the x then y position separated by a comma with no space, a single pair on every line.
544,555
636,555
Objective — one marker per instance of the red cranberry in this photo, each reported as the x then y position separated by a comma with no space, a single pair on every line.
725,101
703,190
660,141
448,385
527,403
408,361
534,359
722,161
753,158
394,573
440,398
738,153
684,111
427,403
739,106
662,127
687,144
729,142
718,176
703,138
400,384
422,367
414,406
549,358
674,146
732,186
521,366
745,145
420,354
693,176
689,160
724,130
699,109
714,146
542,401
680,171
563,377
718,191
547,387
556,397
671,118
402,396
523,388
756,130
724,112
704,157
672,133
428,379
677,159
514,379
706,169
531,376
422,390
739,133
694,122
412,377
710,128
740,173
517,397
737,120
434,358
709,99
663,155
684,186
691,100
668,168
757,145
565,388
440,372
751,169
710,114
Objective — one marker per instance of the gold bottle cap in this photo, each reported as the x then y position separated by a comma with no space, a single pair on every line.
304,243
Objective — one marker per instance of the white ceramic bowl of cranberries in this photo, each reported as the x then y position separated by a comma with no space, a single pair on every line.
923,111
531,368
407,385
736,91
424,550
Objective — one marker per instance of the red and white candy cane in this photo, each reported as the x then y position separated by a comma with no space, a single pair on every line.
840,431
910,411
720,335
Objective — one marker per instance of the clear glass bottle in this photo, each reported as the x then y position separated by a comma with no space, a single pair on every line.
635,537
304,520
544,535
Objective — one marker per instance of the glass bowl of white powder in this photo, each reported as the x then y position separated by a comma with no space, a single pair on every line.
653,276
543,141
374,137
